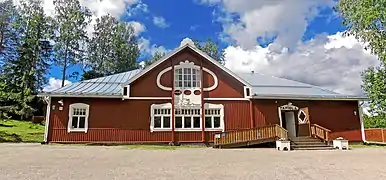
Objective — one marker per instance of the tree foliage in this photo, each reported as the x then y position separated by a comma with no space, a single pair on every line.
70,35
157,55
212,49
113,48
366,20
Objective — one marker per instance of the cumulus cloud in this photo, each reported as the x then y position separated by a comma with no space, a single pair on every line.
334,62
160,22
245,21
331,61
146,47
138,27
54,83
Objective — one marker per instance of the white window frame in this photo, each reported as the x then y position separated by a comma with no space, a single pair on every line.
166,106
71,114
207,106
188,114
220,107
187,76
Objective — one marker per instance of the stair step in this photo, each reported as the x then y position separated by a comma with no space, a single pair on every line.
310,146
315,148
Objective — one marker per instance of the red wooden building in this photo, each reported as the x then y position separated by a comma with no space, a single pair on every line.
187,96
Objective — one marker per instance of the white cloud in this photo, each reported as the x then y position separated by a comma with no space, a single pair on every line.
160,22
54,84
138,27
245,21
145,47
334,62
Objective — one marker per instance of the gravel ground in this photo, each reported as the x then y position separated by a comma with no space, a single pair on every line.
34,161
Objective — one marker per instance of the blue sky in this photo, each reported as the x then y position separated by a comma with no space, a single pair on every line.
310,30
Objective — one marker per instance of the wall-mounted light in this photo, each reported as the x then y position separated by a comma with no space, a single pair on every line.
355,112
61,102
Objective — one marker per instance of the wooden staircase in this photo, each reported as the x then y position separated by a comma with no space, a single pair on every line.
248,137
308,143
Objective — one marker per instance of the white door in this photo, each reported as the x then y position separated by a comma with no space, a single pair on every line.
290,123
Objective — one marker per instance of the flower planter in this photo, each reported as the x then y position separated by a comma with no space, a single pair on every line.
340,143
283,145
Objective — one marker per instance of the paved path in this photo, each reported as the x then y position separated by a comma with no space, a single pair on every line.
33,161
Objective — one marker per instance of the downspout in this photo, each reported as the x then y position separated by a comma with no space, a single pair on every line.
202,105
173,113
47,122
361,121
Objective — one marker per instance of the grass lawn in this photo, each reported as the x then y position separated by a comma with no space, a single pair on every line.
20,131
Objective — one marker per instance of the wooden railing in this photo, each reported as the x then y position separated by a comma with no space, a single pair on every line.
250,135
320,132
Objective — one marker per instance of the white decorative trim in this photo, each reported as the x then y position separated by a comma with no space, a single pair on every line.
222,122
128,92
167,106
47,122
70,114
226,99
305,117
361,121
215,79
210,59
159,79
246,88
289,107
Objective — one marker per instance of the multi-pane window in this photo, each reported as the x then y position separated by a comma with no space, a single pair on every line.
187,119
187,78
162,118
212,118
78,117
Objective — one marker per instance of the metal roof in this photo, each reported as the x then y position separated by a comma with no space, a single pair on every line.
265,86
109,86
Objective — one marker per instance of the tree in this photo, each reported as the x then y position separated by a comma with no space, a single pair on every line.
212,49
157,55
8,34
26,74
70,22
366,20
112,49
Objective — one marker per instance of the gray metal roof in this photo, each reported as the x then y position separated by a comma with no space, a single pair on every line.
263,86
109,86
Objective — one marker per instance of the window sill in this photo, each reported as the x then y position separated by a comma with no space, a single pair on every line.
186,130
77,130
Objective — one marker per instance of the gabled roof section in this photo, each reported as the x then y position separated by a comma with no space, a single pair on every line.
270,87
182,47
108,86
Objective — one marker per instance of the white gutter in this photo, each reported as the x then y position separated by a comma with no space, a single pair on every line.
294,97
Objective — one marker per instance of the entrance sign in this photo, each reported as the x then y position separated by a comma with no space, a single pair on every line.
289,107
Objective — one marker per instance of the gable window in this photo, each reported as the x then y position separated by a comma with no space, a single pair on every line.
187,78
161,117
78,117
